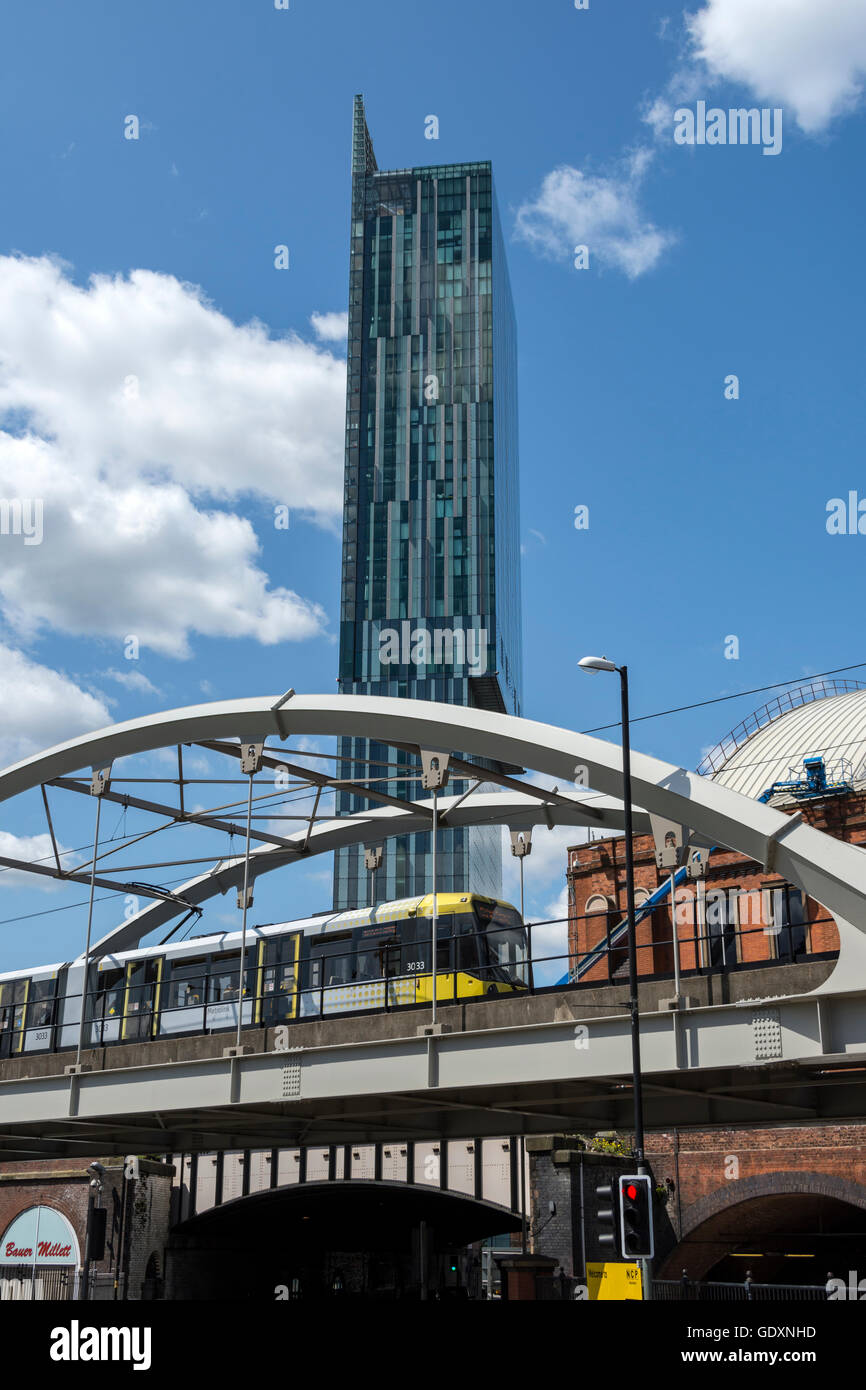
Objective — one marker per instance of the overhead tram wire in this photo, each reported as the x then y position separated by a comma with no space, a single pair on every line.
720,699
70,907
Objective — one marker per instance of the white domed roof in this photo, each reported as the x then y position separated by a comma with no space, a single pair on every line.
770,746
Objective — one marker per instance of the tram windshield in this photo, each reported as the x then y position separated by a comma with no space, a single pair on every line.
505,938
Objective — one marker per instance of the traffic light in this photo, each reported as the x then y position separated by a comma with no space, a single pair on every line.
605,1215
636,1217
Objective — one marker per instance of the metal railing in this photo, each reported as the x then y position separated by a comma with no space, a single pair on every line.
24,1283
695,1291
782,704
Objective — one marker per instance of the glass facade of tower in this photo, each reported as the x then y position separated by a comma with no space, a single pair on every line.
431,566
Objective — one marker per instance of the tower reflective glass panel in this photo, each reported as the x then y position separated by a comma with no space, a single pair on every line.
431,566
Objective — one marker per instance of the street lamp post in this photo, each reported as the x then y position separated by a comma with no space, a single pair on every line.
93,1197
434,777
601,663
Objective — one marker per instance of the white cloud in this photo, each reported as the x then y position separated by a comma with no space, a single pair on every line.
132,680
688,82
144,377
332,327
599,211
40,707
810,57
128,402
140,560
31,849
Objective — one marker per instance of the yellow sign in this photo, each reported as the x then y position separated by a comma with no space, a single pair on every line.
612,1282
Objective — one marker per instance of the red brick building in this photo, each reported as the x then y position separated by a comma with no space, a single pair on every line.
740,915
44,1223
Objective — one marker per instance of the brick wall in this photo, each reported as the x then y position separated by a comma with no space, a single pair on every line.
701,1162
149,1218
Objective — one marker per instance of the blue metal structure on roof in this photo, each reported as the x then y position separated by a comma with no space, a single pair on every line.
813,782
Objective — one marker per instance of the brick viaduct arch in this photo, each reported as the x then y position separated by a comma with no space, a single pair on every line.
362,1226
697,1256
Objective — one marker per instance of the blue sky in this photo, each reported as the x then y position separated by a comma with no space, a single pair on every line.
163,423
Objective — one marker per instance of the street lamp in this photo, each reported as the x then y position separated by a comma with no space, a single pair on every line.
601,663
91,1234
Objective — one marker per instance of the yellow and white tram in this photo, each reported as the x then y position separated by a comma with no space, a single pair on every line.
365,960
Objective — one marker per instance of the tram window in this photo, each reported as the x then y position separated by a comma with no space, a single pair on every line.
506,940
417,940
140,998
188,982
332,963
508,951
391,955
279,979
338,969
278,949
142,978
369,966
106,1000
40,1005
467,952
223,982
12,994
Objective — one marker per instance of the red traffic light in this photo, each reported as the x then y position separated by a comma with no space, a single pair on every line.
636,1217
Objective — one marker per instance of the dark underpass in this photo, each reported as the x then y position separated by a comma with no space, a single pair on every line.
365,1239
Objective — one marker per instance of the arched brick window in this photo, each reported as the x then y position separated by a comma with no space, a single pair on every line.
608,916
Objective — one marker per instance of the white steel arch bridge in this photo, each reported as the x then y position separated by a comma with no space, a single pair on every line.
517,1069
